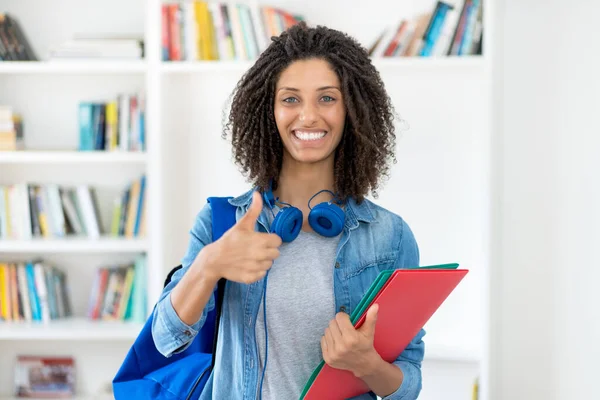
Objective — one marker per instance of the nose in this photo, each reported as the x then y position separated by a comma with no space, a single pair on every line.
308,114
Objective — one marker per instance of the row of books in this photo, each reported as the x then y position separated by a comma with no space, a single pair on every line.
450,29
202,30
33,291
14,46
119,293
50,211
117,125
129,210
11,129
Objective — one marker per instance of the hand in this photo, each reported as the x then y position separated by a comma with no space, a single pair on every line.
345,347
242,254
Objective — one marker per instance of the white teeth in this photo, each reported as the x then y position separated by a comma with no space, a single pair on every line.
309,135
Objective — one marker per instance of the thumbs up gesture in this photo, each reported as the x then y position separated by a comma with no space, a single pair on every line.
242,254
348,348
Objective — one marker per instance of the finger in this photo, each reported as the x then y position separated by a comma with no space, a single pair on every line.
251,277
265,240
272,240
329,338
324,348
368,327
263,266
344,322
268,254
248,221
335,330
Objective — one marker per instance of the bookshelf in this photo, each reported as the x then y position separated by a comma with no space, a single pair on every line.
442,166
73,245
71,329
168,67
72,157
72,66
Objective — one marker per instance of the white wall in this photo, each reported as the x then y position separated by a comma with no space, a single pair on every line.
546,325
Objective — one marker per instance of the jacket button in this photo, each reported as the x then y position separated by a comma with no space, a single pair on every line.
343,309
187,333
337,264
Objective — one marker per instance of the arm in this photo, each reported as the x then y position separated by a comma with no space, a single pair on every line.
401,380
184,303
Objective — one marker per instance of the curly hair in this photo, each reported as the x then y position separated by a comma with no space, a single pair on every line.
368,141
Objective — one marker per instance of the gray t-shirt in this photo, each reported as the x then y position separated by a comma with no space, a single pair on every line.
300,305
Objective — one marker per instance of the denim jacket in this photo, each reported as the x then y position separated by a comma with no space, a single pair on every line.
373,240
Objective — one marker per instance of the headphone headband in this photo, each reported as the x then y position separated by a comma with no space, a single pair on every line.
328,191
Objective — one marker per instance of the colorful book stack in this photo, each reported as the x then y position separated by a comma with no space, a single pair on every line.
51,211
452,28
119,293
33,291
129,211
28,210
115,125
202,30
14,46
11,130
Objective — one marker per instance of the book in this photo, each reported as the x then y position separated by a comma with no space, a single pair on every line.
44,377
407,298
200,30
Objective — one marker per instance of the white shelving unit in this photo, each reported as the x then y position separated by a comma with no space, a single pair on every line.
75,329
73,67
71,157
74,245
440,184
382,64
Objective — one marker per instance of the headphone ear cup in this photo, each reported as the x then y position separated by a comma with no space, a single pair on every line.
327,219
287,223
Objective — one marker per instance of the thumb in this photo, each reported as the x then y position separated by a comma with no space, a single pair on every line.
368,327
248,221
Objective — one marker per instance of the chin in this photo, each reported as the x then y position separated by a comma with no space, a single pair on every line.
310,157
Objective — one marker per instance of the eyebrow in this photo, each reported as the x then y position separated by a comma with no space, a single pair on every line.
291,89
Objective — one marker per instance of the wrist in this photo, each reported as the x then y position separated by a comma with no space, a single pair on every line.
205,266
370,367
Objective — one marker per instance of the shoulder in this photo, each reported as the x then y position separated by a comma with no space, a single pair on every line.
202,228
388,224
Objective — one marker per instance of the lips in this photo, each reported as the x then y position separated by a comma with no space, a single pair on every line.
308,136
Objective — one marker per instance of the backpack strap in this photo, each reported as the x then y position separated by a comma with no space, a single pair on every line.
223,218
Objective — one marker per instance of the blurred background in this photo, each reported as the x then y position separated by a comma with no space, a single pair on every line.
110,142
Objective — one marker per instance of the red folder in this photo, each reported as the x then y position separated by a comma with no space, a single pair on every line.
406,302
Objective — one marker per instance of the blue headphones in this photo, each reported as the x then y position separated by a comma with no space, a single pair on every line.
326,218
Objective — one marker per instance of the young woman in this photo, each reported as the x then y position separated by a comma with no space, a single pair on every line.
310,122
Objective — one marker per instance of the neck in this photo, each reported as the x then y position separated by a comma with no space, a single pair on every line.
298,182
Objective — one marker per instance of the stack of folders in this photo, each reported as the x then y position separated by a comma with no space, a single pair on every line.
407,299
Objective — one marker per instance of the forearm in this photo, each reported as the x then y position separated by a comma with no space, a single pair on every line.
193,292
381,377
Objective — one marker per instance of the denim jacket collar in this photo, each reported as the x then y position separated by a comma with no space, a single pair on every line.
354,212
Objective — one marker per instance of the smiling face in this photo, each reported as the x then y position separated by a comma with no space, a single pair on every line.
309,111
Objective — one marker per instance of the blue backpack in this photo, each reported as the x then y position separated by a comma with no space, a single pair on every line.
147,374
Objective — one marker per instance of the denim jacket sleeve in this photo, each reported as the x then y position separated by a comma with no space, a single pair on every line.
410,359
170,334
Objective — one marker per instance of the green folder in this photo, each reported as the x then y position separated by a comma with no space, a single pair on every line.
364,303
